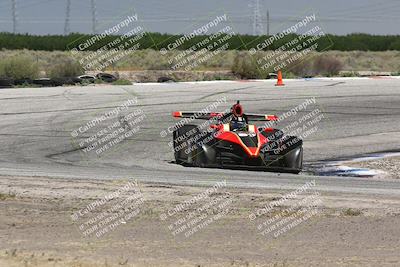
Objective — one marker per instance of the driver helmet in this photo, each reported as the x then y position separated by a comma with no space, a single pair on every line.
238,125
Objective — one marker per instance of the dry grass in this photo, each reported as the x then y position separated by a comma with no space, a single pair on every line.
148,59
18,67
67,67
352,212
7,196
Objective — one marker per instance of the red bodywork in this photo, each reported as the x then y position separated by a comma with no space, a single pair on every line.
233,137
224,133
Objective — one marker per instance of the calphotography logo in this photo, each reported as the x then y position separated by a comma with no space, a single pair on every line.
288,212
301,122
197,115
197,213
114,44
108,213
289,47
203,43
107,130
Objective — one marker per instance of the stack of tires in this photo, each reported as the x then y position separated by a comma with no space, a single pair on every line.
47,82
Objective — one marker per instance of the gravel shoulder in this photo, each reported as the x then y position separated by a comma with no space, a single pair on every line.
37,228
390,167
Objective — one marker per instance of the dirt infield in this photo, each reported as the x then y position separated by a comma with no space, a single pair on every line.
36,229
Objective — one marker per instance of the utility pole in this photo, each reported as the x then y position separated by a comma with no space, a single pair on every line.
94,16
67,18
267,22
14,15
257,22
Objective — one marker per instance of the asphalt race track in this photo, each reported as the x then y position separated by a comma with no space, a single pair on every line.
359,116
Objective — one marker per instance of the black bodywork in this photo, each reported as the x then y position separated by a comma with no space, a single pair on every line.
281,153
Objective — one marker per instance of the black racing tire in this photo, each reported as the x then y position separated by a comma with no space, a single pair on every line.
293,160
87,78
6,83
44,82
187,151
67,81
106,77
23,81
164,79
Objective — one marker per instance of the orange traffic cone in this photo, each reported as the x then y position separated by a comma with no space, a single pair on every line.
280,81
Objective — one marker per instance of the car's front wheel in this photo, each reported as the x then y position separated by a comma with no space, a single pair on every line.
186,146
293,160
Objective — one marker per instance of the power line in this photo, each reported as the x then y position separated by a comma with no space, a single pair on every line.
94,16
365,8
14,15
67,18
267,22
258,28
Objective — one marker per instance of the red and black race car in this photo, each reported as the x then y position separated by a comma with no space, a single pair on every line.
228,140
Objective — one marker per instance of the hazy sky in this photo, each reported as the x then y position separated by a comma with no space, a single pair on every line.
177,16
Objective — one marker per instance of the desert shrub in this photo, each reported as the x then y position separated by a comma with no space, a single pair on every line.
349,74
327,65
287,74
65,67
352,212
122,82
303,68
10,195
2,70
17,67
245,66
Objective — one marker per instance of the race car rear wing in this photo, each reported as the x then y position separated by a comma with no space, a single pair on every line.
207,116
196,115
236,111
261,117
